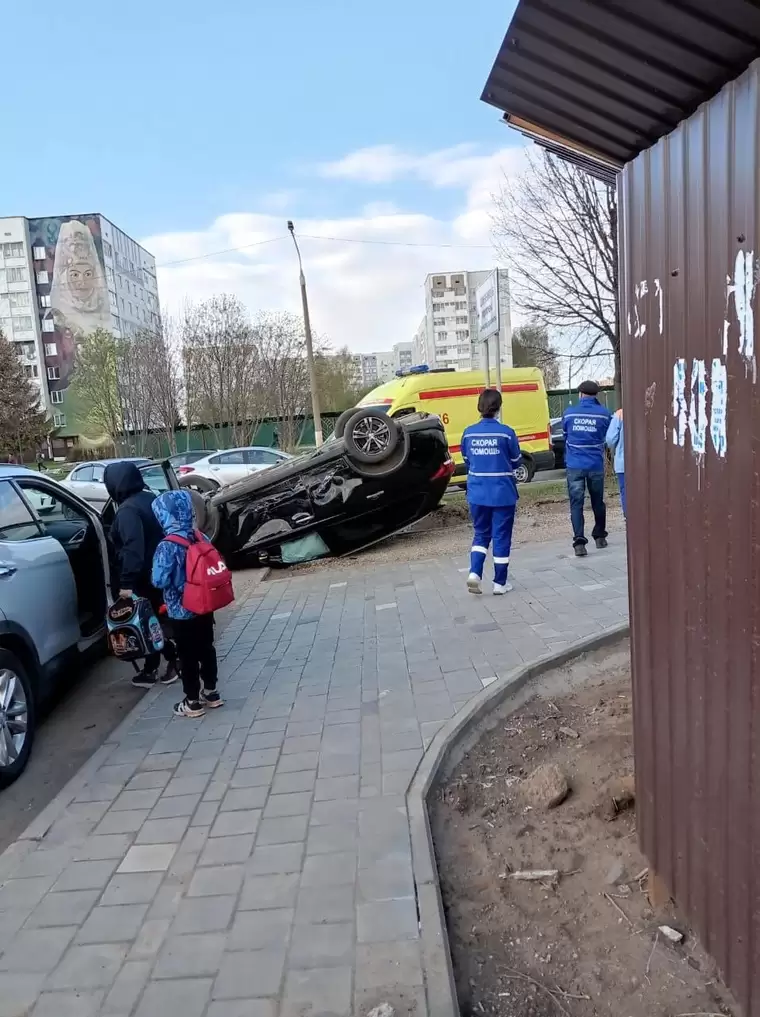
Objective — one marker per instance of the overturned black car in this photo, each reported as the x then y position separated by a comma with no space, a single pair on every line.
373,477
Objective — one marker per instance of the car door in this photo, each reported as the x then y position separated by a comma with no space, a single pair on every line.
37,588
227,467
80,481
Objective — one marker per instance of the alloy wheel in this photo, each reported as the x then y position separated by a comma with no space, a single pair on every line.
371,435
521,474
13,717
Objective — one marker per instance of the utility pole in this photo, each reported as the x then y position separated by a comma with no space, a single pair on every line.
309,348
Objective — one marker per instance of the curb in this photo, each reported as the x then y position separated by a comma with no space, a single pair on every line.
28,839
436,956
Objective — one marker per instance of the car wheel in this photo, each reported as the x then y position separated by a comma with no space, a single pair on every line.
203,485
370,437
206,516
395,461
17,718
343,419
525,471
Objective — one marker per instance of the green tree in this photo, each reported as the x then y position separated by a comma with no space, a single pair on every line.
23,425
531,347
95,384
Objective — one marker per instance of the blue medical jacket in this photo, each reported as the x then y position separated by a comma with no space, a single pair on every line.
585,425
492,452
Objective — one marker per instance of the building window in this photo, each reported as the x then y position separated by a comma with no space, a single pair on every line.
13,250
59,419
42,278
438,321
48,325
51,349
438,293
16,275
441,337
463,334
18,299
461,305
56,397
38,253
462,319
31,371
45,300
106,249
53,373
22,323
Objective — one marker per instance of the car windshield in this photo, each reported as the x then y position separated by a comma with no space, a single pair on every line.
379,408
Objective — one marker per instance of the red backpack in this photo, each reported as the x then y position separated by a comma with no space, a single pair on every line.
208,583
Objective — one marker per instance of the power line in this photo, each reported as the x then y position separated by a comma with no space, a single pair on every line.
396,243
336,240
213,254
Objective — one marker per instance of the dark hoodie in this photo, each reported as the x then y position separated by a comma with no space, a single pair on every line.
135,533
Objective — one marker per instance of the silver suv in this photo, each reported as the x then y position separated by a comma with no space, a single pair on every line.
54,589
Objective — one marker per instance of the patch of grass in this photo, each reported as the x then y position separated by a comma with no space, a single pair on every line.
550,492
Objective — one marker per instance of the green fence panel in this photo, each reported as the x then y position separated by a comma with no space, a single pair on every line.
560,399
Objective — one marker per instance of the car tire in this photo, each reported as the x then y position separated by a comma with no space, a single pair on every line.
203,485
525,471
340,423
10,665
370,437
206,516
395,461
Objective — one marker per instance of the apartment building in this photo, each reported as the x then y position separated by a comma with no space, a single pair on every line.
374,368
61,278
448,334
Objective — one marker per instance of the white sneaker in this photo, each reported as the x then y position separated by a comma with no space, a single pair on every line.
473,583
499,591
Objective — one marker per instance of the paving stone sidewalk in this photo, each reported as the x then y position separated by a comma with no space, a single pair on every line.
257,863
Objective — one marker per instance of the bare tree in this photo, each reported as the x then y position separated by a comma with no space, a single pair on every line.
23,427
283,369
221,363
556,228
159,354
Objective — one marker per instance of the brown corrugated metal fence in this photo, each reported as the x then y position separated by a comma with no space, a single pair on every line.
689,251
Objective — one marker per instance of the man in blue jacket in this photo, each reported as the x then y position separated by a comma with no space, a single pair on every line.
585,425
491,451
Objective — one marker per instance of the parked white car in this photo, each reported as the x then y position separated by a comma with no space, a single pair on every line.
86,479
219,468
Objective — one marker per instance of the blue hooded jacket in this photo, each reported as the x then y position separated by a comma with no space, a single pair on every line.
585,425
174,512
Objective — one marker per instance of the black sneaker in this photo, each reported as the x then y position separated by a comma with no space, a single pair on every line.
211,698
190,709
170,675
601,542
145,679
580,550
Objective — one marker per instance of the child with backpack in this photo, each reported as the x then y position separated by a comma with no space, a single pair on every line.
195,582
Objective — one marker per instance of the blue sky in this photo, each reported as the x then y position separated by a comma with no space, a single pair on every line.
172,117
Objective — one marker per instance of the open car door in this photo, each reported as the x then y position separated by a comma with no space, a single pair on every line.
159,478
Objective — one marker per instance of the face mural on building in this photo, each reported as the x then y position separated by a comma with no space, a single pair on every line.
77,285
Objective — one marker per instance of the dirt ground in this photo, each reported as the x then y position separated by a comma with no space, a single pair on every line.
586,944
448,531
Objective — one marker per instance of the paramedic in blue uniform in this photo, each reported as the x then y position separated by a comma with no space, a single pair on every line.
585,425
491,451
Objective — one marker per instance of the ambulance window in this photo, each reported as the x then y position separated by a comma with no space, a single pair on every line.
404,412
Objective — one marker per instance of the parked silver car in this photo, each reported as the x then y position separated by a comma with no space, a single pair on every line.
54,589
86,479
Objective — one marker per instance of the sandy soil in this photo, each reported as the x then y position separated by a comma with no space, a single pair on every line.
586,944
448,531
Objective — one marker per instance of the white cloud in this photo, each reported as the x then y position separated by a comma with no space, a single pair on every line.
363,295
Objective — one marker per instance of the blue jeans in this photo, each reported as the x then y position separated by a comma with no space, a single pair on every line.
492,524
577,482
621,485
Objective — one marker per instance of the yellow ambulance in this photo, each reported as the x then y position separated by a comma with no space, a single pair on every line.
453,396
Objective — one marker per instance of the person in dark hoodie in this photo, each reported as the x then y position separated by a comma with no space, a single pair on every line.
134,536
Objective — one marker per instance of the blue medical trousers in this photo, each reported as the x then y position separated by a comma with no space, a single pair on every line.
492,524
621,485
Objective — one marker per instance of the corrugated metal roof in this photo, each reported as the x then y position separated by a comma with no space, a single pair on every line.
611,77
